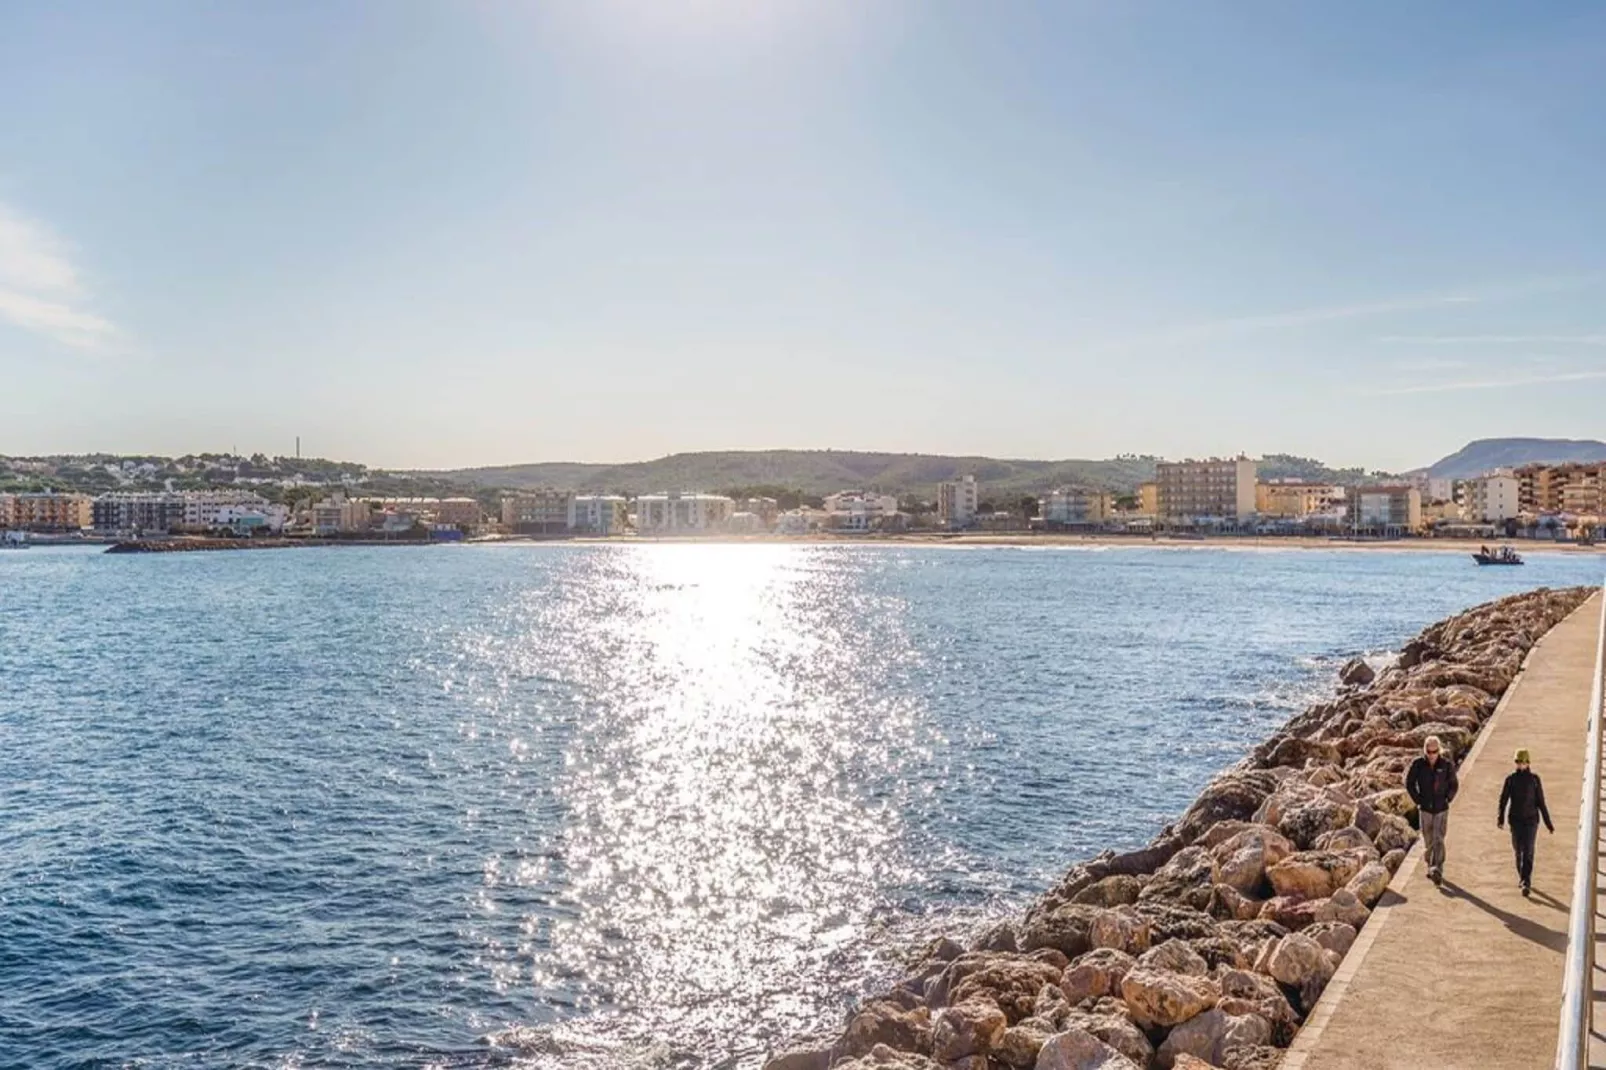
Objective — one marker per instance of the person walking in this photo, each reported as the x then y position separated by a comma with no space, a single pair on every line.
1432,785
1525,795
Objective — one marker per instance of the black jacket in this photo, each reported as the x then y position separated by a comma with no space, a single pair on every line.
1527,798
1432,787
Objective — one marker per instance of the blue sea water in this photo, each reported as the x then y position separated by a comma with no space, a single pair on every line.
660,803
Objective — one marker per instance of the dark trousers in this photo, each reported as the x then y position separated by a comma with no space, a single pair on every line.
1523,834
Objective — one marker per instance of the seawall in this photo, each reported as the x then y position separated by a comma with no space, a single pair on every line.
1210,946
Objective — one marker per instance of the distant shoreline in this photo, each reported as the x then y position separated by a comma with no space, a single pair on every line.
1100,541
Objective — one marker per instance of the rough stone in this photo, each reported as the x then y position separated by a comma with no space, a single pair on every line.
1066,929
885,1023
1333,935
1175,956
1123,929
1116,890
1098,973
970,1027
1010,984
1157,998
1369,884
1209,1036
1077,1049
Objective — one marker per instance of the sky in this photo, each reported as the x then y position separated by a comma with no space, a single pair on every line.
457,233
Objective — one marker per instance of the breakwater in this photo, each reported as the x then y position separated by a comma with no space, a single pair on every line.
1209,946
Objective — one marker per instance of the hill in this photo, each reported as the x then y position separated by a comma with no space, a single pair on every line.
1484,454
817,472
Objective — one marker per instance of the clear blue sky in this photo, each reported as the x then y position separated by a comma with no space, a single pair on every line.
437,234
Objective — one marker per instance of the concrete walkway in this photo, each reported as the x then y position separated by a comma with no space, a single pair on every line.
1468,977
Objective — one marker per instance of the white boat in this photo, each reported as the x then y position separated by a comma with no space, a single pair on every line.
14,540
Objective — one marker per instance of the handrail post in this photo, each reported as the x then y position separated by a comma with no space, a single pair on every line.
1577,990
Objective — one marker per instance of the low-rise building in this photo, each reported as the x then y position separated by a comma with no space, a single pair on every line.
799,521
957,502
1209,491
1385,509
46,511
1294,499
598,514
855,510
1070,507
683,514
768,510
538,512
338,513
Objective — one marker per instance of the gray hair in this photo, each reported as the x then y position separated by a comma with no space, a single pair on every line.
1432,741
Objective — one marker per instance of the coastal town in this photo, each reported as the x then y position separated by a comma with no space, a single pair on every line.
1226,497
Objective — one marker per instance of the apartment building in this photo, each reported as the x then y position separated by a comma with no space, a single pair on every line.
1547,488
957,502
148,512
1492,498
1210,490
339,513
674,514
598,514
1074,507
461,513
1149,498
1386,509
1295,500
1585,493
538,512
46,511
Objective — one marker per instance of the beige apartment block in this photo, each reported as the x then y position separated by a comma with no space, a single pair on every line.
1149,499
1212,489
46,511
1292,500
1386,508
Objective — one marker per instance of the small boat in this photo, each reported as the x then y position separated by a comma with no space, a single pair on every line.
1503,556
14,540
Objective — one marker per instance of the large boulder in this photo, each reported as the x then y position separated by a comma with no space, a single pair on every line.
1370,883
1241,860
1290,911
1010,984
1021,1044
1259,1057
1315,874
1356,673
1333,935
1111,1021
1098,973
1393,833
1211,1035
970,1027
1113,891
1175,956
1157,998
1185,879
1304,965
1343,906
1077,1049
1231,796
1123,929
1229,904
885,1022
1065,928
1248,992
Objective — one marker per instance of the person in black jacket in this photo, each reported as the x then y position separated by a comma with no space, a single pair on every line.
1432,785
1526,797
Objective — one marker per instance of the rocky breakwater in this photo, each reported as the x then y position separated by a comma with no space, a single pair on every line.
1209,946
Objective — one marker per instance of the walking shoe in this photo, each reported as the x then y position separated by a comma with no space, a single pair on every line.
1525,889
1435,876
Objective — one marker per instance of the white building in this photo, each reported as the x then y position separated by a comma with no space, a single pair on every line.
674,514
799,521
1439,489
598,514
1492,498
957,501
245,517
206,509
1070,507
854,510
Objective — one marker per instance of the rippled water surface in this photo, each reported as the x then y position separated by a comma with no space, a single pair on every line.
362,807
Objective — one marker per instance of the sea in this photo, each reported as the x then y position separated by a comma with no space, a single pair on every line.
643,805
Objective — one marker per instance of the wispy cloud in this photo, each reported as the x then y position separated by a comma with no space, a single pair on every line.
1303,317
1495,339
40,290
1510,382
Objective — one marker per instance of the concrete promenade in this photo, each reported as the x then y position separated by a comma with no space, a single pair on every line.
1468,977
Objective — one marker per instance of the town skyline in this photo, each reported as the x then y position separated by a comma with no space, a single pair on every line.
439,237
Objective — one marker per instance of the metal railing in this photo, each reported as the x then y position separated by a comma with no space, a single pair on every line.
1577,987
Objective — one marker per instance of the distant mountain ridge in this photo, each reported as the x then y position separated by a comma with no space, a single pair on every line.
819,472
1485,454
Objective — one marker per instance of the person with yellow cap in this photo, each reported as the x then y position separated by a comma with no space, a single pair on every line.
1526,797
